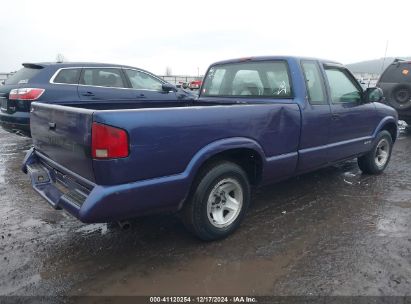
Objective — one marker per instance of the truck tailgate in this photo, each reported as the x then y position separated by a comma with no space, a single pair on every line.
63,134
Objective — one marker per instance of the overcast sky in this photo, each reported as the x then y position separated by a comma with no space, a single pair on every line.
189,35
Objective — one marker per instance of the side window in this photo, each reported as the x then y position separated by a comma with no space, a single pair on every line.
314,83
68,76
102,77
342,86
143,81
268,79
216,77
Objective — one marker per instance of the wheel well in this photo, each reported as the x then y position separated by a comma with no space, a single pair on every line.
392,128
249,160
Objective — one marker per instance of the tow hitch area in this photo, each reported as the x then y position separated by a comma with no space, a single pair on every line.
60,190
43,184
38,174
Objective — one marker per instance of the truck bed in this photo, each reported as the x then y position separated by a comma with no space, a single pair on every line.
166,147
163,141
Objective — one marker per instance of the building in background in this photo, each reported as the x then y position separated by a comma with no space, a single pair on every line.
4,76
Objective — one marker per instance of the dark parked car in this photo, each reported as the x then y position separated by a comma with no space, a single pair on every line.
73,83
256,121
396,85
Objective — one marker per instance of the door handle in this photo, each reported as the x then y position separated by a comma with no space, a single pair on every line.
335,116
141,96
88,94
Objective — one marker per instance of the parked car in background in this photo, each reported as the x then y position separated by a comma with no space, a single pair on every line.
395,82
182,84
195,84
256,121
72,83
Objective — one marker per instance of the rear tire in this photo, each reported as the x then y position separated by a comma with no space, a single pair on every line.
219,201
375,161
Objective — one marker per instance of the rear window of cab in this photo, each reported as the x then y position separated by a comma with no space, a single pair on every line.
262,79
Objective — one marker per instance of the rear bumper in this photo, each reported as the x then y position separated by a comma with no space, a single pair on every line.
18,122
92,203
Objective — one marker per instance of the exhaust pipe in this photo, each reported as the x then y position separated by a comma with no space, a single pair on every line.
124,225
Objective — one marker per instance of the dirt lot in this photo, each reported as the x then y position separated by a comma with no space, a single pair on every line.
332,232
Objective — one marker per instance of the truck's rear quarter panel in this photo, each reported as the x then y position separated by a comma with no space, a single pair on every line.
163,141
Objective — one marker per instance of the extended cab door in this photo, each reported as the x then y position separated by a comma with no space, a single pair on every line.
353,120
316,119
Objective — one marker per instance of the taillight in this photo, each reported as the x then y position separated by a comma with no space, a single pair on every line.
108,142
25,94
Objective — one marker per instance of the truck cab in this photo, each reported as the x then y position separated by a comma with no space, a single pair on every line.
337,116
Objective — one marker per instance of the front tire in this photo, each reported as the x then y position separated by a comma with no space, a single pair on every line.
219,201
375,161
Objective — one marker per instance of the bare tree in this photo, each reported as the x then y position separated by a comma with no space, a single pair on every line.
169,72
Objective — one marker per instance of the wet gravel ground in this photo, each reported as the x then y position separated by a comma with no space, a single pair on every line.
332,232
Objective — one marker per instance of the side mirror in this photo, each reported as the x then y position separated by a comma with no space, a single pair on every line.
167,87
373,95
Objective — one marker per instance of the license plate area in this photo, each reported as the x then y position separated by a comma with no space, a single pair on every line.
61,187
70,190
38,174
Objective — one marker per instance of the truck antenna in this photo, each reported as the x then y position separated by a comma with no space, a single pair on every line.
385,56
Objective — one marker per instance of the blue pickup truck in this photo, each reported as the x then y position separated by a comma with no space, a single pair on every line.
257,121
